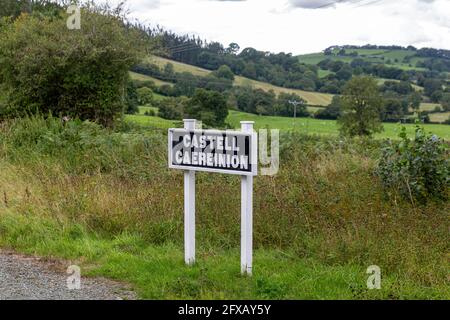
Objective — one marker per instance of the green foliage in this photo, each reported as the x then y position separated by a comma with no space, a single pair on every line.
414,100
47,68
82,147
361,107
331,112
224,72
285,106
131,99
13,8
445,101
106,197
394,110
209,107
145,96
172,108
419,169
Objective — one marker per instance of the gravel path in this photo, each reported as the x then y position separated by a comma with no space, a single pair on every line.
29,278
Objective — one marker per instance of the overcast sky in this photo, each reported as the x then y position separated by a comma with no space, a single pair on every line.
303,26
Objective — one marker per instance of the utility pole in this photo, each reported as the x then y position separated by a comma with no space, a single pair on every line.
295,103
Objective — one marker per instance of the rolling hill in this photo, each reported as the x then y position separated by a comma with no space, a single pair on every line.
312,98
398,58
315,100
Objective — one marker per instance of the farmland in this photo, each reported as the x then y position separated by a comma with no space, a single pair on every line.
302,125
392,58
315,100
312,98
143,77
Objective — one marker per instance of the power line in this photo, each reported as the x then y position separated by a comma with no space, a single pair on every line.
368,4
295,103
343,1
328,4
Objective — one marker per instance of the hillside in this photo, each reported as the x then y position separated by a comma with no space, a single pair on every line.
410,79
315,100
312,98
398,58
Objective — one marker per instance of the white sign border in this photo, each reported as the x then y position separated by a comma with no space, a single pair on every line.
253,152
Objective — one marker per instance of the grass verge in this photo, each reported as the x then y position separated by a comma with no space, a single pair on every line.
106,200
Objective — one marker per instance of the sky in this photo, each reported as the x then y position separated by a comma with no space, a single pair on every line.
303,26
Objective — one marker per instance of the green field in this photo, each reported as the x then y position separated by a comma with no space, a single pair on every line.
105,200
371,55
303,125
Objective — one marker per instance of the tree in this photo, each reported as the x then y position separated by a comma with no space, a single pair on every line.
394,110
332,111
233,48
361,107
78,73
414,100
208,106
432,85
13,8
264,101
344,73
172,108
224,72
445,101
131,99
169,71
145,95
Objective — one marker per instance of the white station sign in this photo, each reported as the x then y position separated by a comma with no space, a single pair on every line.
231,152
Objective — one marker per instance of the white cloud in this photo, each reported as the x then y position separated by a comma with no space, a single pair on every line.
316,4
288,25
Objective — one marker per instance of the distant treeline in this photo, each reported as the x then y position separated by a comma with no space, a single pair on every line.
285,70
423,52
281,69
244,98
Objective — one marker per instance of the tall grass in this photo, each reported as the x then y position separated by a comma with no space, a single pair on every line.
325,204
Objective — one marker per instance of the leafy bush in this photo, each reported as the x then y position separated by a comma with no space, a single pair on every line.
418,169
172,108
81,147
47,68
208,106
145,95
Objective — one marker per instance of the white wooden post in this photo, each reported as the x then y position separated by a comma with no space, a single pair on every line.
247,214
189,207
